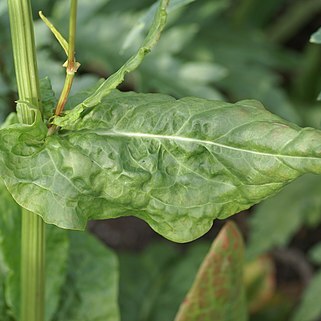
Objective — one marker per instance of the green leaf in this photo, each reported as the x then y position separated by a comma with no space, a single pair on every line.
141,281
218,291
177,164
11,119
316,37
176,280
260,283
310,308
9,211
48,98
132,63
153,283
91,287
62,41
276,220
57,250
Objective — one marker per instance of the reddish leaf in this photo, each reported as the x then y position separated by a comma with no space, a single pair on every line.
218,291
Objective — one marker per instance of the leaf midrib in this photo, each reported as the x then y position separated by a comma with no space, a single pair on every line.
114,133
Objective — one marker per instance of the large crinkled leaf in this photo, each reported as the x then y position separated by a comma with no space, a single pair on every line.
177,164
91,288
218,292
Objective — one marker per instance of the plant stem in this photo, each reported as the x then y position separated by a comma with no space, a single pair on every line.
24,54
32,268
72,37
32,242
71,67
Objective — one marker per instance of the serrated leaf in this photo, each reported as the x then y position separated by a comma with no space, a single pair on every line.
218,291
177,164
277,219
91,288
310,308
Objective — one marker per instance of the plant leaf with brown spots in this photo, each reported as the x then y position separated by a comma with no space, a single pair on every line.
218,290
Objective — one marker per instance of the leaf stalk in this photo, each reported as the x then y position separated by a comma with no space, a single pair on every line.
71,65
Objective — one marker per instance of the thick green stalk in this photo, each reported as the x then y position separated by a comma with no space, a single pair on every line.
32,250
32,268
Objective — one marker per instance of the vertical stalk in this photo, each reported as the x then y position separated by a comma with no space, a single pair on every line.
32,249
71,64
32,268
72,36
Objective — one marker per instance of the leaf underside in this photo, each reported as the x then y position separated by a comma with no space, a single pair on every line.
177,164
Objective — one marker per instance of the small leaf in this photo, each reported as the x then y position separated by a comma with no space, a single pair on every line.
11,119
63,42
218,290
48,98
